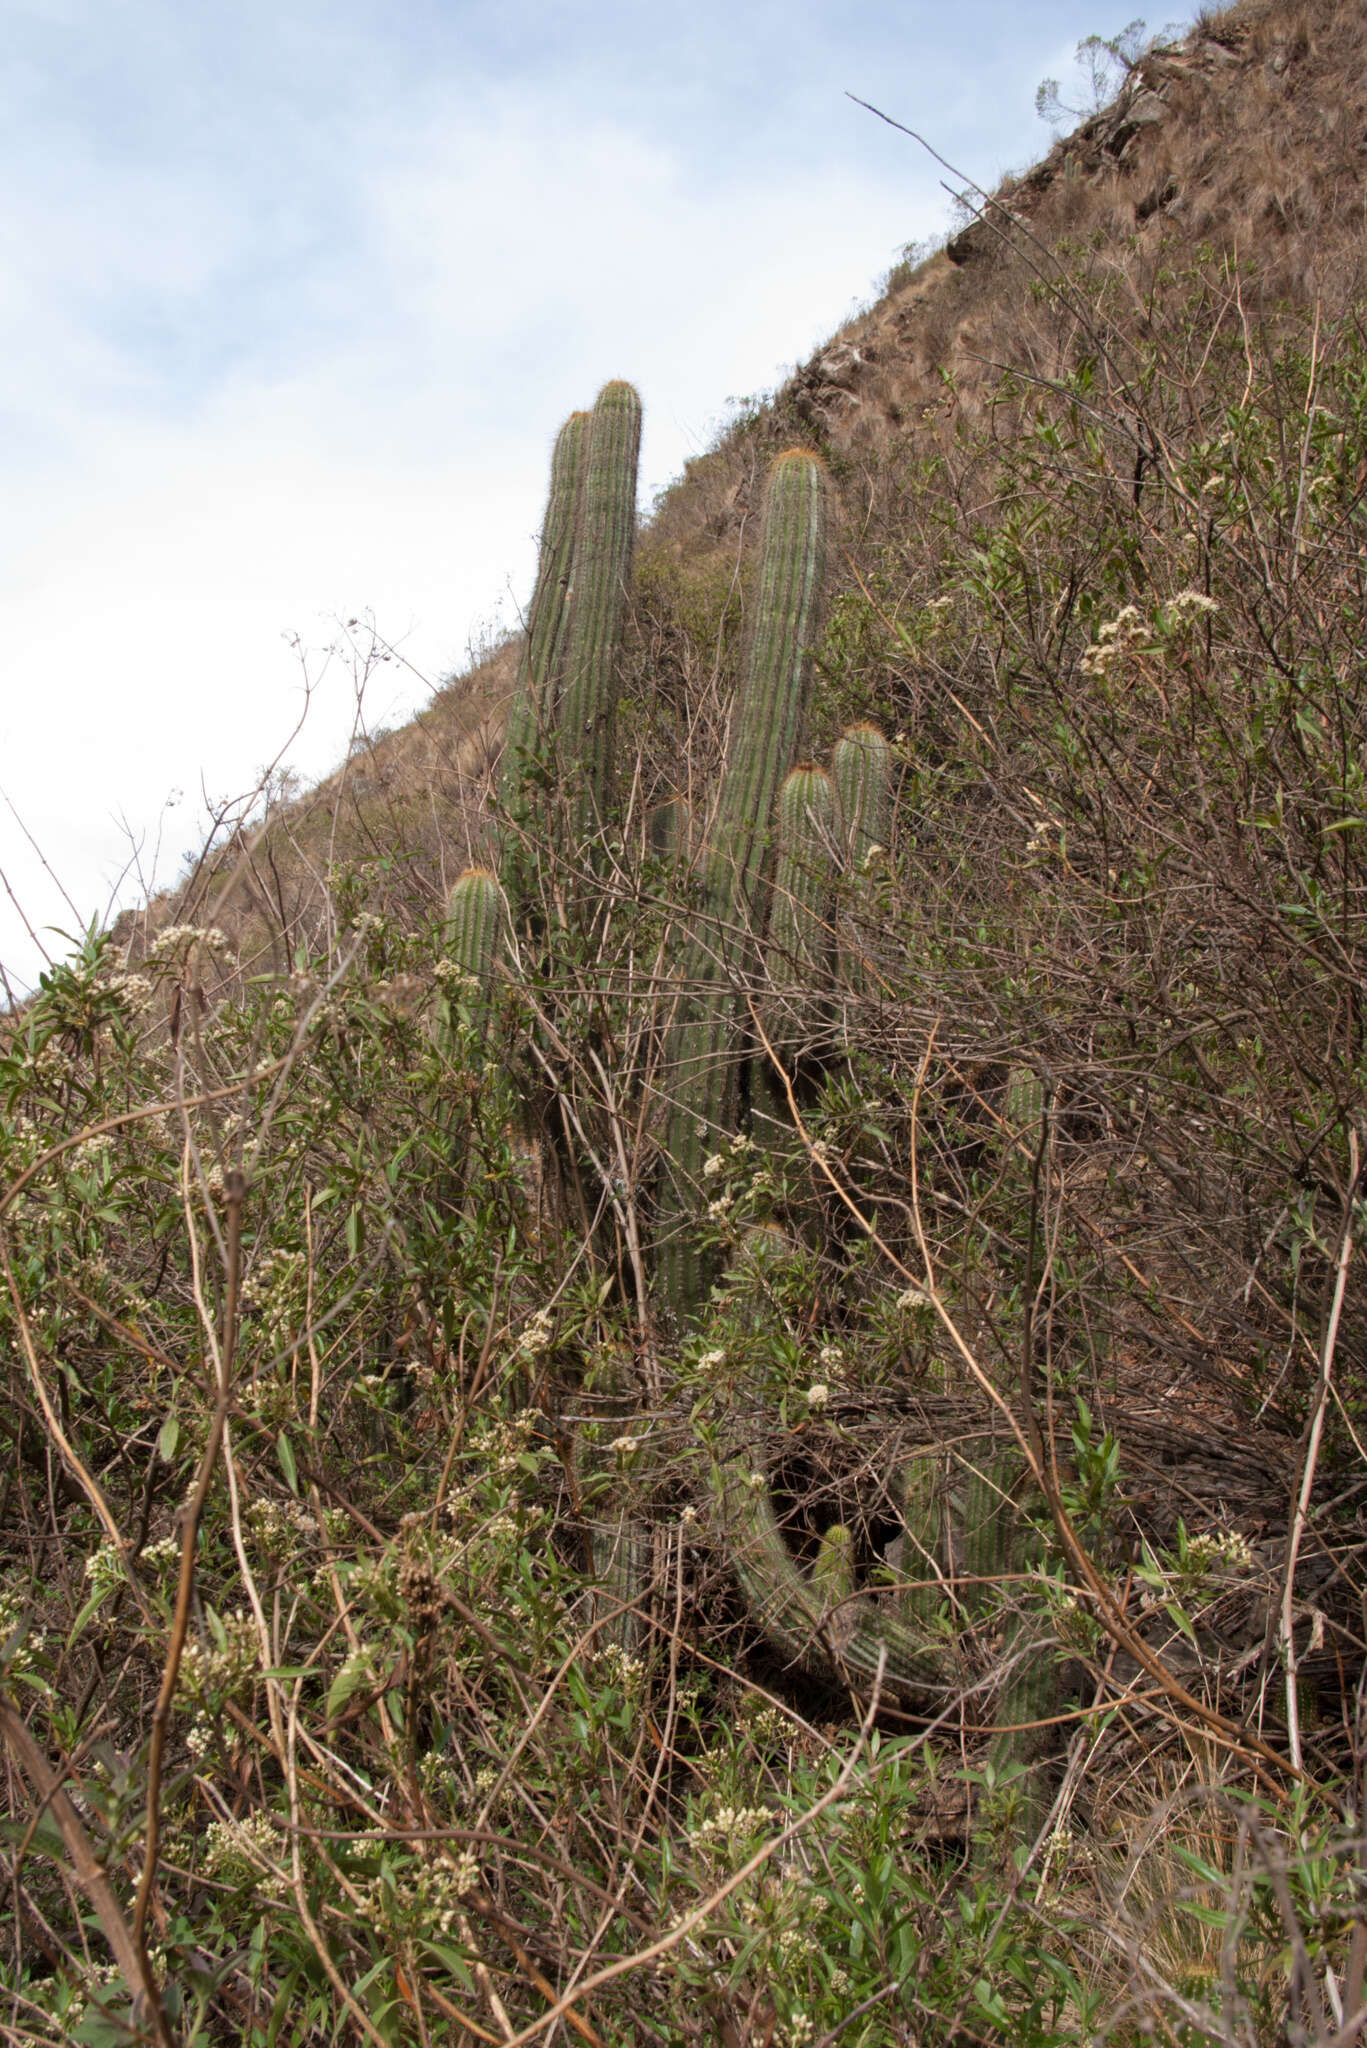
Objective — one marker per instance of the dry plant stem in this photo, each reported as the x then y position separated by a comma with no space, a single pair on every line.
233,1189
89,1871
1314,1437
1029,1441
690,1922
89,1484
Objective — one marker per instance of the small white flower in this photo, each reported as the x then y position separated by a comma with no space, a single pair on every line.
818,1395
713,1166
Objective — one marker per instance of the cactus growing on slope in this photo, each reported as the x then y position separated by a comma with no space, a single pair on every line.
532,709
822,1620
797,951
476,917
604,538
861,767
765,722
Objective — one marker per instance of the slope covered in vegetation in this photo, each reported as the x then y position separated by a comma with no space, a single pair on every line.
747,1425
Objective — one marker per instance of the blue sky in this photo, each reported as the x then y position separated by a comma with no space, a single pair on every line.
293,297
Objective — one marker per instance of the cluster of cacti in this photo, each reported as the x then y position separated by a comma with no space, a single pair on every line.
771,924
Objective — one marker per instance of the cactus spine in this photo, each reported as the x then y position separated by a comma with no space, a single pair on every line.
765,722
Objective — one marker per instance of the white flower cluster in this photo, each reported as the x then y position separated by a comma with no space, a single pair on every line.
91,1150
1228,1548
134,993
732,1824
912,1298
275,1290
818,1395
450,975
210,1674
621,1668
536,1336
280,1527
240,1845
104,1567
21,1659
1189,603
1126,633
165,1551
422,1897
171,946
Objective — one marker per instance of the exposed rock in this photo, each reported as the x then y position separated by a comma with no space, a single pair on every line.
839,366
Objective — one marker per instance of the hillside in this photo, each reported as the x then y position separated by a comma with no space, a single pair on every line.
687,1357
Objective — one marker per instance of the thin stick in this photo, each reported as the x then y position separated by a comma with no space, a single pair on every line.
689,1922
1311,1460
233,1189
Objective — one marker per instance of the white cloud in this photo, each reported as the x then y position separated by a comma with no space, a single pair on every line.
290,322
502,269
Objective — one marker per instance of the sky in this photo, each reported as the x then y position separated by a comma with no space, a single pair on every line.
295,293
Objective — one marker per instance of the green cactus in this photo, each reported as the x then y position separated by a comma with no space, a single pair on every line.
797,1614
821,1620
620,1543
670,831
544,644
915,1553
861,764
833,1572
1024,1105
765,722
797,951
476,919
604,539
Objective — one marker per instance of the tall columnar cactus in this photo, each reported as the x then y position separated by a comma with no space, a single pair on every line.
861,766
605,536
798,949
820,1619
543,646
765,723
671,831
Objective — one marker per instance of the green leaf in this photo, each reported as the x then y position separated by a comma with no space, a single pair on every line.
287,1464
353,1675
168,1439
91,1608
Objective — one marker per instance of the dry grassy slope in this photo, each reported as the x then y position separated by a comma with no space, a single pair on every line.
1249,135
